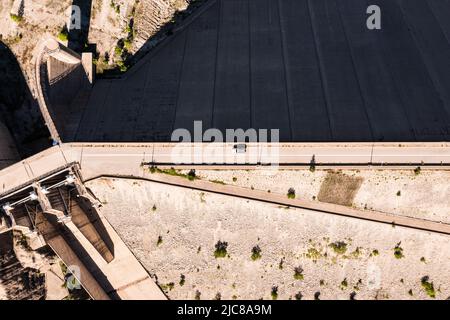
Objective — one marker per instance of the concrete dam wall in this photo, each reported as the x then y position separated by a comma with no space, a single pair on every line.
311,69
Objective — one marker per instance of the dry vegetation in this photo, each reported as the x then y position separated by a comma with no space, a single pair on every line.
112,22
203,246
339,188
423,194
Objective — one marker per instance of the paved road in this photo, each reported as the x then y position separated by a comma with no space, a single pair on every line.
126,159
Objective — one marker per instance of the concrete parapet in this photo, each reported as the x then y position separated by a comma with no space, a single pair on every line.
51,49
86,61
62,53
62,248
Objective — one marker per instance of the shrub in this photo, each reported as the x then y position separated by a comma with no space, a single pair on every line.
356,253
398,251
182,280
122,66
221,249
170,286
256,253
428,286
129,29
291,193
399,193
274,293
339,247
317,295
298,273
197,295
127,43
118,51
16,18
159,242
280,265
417,171
191,175
313,254
298,296
63,35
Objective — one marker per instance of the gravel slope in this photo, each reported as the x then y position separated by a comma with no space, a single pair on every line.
190,223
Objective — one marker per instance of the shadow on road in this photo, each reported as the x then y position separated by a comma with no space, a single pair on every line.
78,38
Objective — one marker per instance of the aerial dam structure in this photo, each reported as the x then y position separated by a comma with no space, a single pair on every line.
62,79
312,69
340,94
57,210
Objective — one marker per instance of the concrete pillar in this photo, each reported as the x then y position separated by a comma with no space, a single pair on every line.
42,198
86,60
10,216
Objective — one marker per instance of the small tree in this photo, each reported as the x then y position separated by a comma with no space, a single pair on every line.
291,193
398,251
274,293
221,249
182,280
16,18
428,287
256,253
63,35
191,175
417,171
339,247
298,273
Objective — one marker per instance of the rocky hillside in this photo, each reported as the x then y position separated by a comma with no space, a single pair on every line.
114,29
108,22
